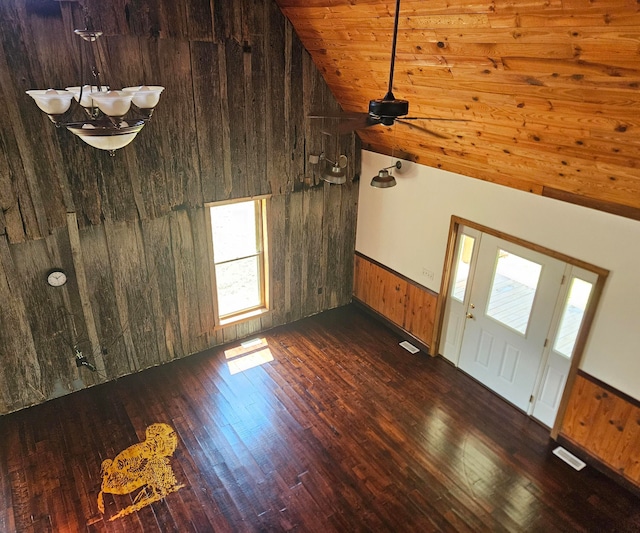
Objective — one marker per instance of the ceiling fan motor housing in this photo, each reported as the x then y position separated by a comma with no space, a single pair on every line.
388,108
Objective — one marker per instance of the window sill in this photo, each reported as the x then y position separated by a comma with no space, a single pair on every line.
242,317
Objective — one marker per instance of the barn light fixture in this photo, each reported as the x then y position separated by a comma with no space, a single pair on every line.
114,117
334,172
384,178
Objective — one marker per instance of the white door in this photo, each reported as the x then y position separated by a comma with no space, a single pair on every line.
570,310
467,244
511,306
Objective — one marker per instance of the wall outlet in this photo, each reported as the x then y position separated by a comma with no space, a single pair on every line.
428,273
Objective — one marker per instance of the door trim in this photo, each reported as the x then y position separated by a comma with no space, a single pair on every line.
445,286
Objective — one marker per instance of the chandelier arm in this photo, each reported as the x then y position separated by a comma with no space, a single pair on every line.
64,118
142,114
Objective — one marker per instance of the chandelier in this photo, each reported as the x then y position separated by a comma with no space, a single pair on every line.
112,118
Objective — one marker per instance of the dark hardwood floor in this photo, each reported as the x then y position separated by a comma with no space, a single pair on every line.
343,431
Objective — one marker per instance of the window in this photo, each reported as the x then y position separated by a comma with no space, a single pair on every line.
238,234
514,286
461,277
572,315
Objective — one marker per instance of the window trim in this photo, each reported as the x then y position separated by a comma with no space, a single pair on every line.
262,236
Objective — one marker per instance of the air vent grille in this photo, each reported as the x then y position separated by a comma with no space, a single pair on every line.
569,458
409,347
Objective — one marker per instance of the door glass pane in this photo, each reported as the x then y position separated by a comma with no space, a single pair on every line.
572,316
461,276
238,284
512,290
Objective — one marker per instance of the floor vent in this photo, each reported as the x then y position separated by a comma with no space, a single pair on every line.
569,458
409,347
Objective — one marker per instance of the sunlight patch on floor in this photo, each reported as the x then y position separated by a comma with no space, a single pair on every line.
249,354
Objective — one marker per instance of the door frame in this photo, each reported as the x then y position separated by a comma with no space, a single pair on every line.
445,287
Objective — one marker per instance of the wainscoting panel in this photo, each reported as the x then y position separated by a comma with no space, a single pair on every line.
606,424
400,300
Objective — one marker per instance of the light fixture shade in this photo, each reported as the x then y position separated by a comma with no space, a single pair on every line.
52,101
145,96
106,137
87,92
334,174
383,180
113,103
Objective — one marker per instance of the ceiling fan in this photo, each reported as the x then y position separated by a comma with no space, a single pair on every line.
387,110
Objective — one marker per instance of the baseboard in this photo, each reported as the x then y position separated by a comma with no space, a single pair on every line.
392,326
597,464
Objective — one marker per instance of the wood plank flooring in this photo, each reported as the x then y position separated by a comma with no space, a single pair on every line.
342,431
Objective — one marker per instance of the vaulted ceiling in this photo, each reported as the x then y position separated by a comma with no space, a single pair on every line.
549,89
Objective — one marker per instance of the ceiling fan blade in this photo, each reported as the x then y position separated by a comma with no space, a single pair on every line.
425,130
364,121
436,118
339,116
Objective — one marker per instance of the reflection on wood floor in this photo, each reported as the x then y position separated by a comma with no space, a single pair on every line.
327,425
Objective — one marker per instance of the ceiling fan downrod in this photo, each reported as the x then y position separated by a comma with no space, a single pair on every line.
389,95
388,108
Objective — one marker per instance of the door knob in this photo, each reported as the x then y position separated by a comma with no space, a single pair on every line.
469,315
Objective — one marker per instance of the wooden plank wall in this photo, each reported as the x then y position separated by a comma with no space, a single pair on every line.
131,229
405,303
605,424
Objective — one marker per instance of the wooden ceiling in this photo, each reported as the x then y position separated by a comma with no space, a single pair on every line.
549,88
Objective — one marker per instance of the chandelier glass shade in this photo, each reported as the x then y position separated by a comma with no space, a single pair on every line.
111,118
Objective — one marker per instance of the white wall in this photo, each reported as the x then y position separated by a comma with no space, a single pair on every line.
406,228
